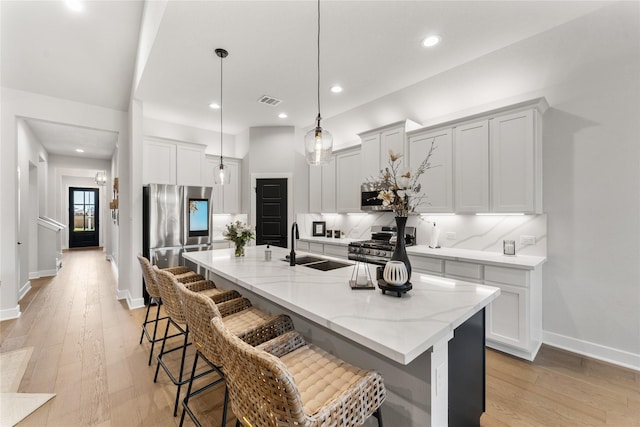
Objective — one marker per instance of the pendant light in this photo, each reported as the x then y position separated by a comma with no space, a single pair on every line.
318,142
220,175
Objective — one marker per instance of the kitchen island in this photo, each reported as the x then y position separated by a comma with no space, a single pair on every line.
411,340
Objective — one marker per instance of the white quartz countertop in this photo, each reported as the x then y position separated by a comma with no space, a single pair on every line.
398,328
467,255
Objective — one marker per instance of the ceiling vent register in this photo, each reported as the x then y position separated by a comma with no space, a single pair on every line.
269,100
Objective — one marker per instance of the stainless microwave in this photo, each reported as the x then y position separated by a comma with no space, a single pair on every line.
369,198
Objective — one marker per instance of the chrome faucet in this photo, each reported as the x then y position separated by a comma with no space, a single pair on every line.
292,255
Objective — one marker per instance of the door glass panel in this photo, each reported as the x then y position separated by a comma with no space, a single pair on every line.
83,211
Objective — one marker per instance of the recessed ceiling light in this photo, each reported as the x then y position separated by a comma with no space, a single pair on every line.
431,41
75,5
336,89
214,105
79,150
283,115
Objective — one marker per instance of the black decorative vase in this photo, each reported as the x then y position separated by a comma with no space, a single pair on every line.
400,251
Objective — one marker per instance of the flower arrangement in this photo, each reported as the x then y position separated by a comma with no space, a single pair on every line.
239,233
400,189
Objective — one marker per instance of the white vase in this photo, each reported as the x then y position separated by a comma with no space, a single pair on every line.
395,273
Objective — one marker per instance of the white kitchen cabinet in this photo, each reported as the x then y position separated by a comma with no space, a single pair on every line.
159,162
338,251
376,143
514,319
226,198
516,172
437,182
471,147
370,157
190,163
348,181
322,187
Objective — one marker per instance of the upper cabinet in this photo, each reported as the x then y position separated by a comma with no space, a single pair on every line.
489,162
348,181
436,182
322,187
472,167
376,143
226,198
516,164
172,162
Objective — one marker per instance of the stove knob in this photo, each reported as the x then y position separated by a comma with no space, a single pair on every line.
382,253
367,251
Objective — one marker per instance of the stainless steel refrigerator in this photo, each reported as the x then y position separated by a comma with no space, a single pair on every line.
176,219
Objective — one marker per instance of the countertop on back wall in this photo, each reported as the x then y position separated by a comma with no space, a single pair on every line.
466,255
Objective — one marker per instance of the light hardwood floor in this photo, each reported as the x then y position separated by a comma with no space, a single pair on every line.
86,351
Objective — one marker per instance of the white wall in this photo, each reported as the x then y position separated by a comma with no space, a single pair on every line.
178,132
588,70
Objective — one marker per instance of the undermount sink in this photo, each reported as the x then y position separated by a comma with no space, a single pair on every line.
304,259
327,265
318,263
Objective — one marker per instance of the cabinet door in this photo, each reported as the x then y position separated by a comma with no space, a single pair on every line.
329,186
159,163
211,163
231,191
391,139
370,156
189,165
512,163
315,189
507,317
437,182
348,182
471,147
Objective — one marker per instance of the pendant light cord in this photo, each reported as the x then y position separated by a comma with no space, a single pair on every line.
221,108
319,63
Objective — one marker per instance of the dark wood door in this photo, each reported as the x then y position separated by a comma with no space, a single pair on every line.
83,217
271,212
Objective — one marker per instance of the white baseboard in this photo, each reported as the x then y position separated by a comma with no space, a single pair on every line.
10,313
134,303
120,295
596,351
24,289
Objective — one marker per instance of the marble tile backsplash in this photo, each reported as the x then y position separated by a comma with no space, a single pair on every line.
482,233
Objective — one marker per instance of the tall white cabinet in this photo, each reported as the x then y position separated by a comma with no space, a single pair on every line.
226,198
348,181
472,167
322,187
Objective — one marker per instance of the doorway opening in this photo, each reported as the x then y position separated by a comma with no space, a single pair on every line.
271,212
84,217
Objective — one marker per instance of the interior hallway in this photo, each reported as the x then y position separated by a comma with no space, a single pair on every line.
86,351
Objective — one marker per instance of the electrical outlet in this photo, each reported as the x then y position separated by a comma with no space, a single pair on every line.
527,240
451,235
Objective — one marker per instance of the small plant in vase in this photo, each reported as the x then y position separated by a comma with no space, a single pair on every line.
239,233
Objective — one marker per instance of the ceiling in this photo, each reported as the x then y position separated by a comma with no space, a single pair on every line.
371,48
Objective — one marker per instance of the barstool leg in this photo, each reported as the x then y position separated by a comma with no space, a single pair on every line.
155,329
164,341
185,402
146,317
184,353
226,404
378,415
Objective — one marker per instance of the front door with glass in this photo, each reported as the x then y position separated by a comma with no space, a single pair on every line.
83,217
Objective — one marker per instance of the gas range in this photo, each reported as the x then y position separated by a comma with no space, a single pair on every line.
379,248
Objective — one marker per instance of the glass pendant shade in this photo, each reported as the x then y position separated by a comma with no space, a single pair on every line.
221,176
318,144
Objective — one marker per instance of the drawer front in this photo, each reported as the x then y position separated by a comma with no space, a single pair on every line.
316,248
302,246
424,264
510,276
337,251
463,270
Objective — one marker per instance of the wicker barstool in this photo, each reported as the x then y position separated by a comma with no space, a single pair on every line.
286,382
183,274
176,317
